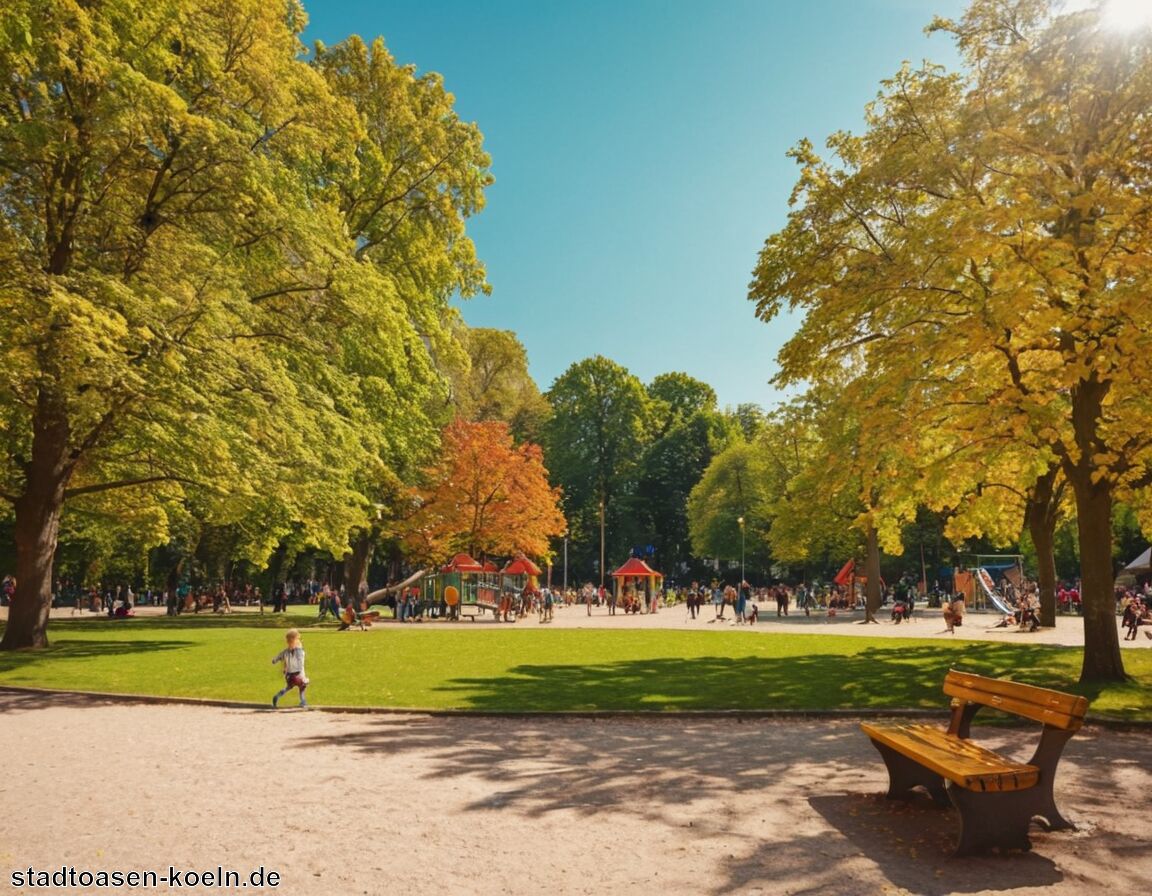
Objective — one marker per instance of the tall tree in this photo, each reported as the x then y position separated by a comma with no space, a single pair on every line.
600,425
485,495
734,487
185,298
687,432
421,173
984,245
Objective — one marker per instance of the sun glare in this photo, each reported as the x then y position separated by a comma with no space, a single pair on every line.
1127,15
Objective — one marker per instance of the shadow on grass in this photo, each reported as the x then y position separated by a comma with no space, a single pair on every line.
902,676
101,623
10,660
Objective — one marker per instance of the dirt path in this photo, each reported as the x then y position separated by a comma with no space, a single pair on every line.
350,804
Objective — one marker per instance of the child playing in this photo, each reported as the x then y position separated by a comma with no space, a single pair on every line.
293,658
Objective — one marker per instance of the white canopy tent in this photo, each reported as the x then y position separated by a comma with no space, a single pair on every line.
1143,563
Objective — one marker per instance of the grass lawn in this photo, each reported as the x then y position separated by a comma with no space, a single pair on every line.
519,669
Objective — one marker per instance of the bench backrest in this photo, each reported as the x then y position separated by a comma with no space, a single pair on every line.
1053,708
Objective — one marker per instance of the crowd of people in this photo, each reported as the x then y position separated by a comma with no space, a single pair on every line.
738,603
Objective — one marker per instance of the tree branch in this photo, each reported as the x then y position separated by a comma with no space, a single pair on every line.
122,483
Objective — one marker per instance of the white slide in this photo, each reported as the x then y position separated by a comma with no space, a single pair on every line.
990,592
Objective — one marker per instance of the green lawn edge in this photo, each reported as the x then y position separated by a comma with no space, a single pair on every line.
532,670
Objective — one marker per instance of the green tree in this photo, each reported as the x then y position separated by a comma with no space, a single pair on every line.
687,432
600,425
496,384
734,487
984,246
814,485
421,173
189,310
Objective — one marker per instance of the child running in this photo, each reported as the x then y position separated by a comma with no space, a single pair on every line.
293,658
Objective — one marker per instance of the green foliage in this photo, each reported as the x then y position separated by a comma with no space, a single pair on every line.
227,271
496,384
688,430
601,422
980,257
735,486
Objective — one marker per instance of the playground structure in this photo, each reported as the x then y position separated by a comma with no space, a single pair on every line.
458,585
462,588
854,585
519,579
465,588
627,581
979,583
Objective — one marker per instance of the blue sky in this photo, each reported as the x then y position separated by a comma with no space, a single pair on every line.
639,154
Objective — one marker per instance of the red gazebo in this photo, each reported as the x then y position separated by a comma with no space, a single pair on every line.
523,569
637,570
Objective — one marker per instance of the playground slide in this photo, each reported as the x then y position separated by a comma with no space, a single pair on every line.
990,592
378,596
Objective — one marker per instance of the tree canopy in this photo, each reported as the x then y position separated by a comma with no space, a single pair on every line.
983,248
485,495
226,269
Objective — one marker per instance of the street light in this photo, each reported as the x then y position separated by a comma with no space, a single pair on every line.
601,540
740,520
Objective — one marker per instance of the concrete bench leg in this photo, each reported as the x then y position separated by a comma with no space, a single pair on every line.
905,774
994,820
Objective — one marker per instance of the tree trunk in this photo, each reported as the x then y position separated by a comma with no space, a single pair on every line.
1093,494
1043,539
1042,514
356,563
276,567
872,571
1102,660
37,528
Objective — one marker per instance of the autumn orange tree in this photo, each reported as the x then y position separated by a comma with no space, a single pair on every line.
485,495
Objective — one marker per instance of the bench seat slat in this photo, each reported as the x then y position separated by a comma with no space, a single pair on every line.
964,763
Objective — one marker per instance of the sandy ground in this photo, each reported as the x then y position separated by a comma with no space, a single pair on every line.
364,804
340,803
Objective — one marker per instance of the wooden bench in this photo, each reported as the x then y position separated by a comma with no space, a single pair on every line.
998,798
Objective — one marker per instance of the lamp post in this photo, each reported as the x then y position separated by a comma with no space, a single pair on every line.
601,540
740,520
